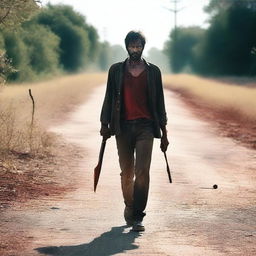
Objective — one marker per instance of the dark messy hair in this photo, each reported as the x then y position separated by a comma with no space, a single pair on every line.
133,36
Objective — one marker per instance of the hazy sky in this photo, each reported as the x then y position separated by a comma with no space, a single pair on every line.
114,18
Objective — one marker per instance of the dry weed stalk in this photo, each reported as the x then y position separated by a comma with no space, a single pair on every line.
20,136
15,111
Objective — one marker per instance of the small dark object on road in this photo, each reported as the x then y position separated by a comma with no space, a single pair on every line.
215,186
55,208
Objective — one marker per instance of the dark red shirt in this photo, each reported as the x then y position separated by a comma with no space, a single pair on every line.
136,96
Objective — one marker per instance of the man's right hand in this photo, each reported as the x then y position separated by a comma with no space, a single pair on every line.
105,131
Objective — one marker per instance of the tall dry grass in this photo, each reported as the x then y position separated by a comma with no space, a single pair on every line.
53,100
232,98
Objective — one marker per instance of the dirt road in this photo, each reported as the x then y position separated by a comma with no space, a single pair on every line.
187,217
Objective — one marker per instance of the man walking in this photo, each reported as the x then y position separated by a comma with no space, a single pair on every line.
134,111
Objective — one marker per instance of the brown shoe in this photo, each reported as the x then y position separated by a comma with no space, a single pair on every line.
138,226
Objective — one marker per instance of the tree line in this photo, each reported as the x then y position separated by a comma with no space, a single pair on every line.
226,47
36,41
49,40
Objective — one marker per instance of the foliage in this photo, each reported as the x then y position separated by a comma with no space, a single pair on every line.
33,50
180,47
56,38
5,67
118,53
78,20
215,6
43,48
159,58
227,47
228,43
76,49
110,54
13,12
104,55
17,52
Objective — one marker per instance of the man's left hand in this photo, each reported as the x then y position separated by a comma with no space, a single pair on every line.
164,143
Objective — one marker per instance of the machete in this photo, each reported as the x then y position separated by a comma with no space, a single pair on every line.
97,169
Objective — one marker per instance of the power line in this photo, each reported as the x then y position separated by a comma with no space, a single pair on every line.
175,10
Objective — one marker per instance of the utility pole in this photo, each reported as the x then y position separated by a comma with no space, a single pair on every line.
175,11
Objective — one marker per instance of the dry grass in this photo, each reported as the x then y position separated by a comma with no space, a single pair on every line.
53,100
229,105
33,162
239,100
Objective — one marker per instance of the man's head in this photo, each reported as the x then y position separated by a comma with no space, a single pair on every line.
135,42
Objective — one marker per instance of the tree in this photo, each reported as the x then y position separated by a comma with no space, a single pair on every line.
180,50
5,64
216,6
13,12
33,50
6,67
109,54
43,48
117,54
227,46
17,52
104,56
55,38
159,58
77,20
76,49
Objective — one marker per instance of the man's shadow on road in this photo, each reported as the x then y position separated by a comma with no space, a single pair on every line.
109,243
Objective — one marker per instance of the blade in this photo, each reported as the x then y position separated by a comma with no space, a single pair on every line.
97,169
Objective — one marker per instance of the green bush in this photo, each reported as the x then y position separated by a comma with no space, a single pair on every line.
180,47
18,52
76,49
227,47
43,48
228,43
56,38
14,12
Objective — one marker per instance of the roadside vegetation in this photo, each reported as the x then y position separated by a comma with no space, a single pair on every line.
231,105
38,43
226,48
32,159
49,48
45,49
54,99
52,40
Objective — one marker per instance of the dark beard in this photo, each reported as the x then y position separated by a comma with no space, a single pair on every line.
135,56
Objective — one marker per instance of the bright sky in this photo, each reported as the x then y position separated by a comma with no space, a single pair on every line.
115,18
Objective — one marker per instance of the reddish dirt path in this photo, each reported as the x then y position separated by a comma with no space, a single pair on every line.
183,218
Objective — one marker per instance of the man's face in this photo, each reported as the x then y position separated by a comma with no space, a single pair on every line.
135,50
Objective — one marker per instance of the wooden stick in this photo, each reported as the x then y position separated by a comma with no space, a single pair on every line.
167,168
33,109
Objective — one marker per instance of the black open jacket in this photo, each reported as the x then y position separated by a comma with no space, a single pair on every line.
111,113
